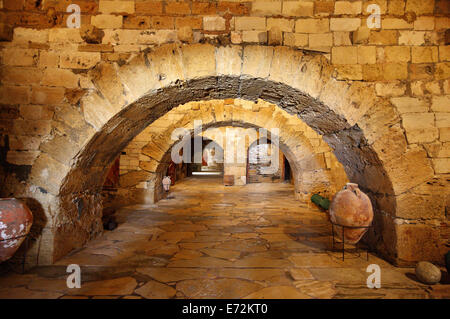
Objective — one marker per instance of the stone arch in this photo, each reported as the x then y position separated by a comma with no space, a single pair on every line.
364,130
305,159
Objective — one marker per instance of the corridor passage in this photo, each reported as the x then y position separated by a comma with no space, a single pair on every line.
213,241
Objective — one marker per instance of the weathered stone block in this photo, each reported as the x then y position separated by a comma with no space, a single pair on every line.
345,24
179,8
79,60
349,72
441,103
213,23
320,41
407,104
96,110
383,37
323,8
347,7
441,165
438,149
250,23
417,88
360,35
444,134
14,94
390,145
396,7
417,242
91,34
60,77
409,170
395,24
193,22
344,55
22,157
341,38
442,70
21,75
366,55
64,35
26,35
424,23
312,26
382,4
441,23
285,25
199,61
158,37
411,38
36,112
229,60
424,54
203,8
24,142
139,22
40,173
257,61
444,53
420,71
96,48
254,37
149,7
122,6
20,57
48,59
32,127
47,95
6,32
420,7
298,9
373,72
266,8
395,71
185,34
420,127
295,39
442,120
397,54
107,21
274,36
161,22
390,89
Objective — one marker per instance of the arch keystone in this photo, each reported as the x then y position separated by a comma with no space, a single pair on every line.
257,61
229,60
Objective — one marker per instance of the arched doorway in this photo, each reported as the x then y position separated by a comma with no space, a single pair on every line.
353,121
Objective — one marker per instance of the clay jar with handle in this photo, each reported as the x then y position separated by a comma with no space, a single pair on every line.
351,207
15,223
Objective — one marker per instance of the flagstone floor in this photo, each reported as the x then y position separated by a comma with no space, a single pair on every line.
212,241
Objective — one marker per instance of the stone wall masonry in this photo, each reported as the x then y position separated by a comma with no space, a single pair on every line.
405,65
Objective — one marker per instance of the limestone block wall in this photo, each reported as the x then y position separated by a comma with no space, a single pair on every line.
382,94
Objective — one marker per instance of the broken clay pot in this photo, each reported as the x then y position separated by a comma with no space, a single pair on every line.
15,223
351,207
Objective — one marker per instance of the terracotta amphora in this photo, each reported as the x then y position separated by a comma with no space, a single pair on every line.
15,223
351,207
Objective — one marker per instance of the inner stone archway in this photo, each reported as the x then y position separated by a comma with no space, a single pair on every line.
127,98
315,168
